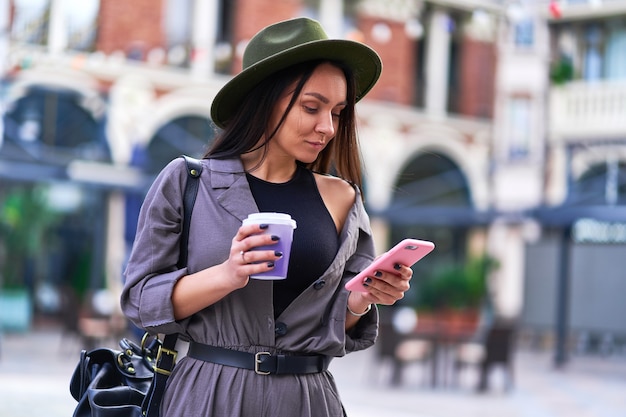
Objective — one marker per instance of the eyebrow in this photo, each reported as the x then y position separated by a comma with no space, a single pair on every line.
324,99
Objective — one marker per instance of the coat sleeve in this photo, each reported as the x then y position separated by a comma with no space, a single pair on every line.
151,271
364,333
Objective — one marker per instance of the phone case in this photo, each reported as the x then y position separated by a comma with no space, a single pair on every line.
407,252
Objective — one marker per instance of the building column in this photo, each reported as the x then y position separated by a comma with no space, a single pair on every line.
438,62
204,37
506,243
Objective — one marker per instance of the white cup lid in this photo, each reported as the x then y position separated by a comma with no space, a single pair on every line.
271,218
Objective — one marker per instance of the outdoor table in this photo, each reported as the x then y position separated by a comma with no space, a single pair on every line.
444,332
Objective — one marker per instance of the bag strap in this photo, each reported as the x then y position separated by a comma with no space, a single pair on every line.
166,357
194,169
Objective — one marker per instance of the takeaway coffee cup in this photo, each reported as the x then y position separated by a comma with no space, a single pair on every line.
281,225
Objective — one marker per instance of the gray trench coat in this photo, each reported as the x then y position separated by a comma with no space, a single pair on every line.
313,323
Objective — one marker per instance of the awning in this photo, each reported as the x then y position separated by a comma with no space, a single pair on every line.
435,216
567,215
97,174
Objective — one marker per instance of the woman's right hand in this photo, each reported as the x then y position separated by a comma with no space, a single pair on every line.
243,261
197,291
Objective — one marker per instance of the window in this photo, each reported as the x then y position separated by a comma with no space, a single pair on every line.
614,53
524,33
601,184
81,18
517,128
592,58
178,25
54,125
30,21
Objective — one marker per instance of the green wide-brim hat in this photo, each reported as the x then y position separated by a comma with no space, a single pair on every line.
287,43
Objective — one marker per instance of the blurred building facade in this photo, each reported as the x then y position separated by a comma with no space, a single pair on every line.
496,128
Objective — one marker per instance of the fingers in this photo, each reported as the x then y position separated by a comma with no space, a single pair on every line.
252,257
254,246
389,287
248,231
246,258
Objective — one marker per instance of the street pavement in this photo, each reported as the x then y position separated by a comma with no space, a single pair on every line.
35,369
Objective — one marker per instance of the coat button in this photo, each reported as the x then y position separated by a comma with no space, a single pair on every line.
319,284
280,329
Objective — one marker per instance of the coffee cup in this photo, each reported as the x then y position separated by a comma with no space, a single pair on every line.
281,225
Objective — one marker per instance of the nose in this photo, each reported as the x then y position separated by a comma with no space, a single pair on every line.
326,125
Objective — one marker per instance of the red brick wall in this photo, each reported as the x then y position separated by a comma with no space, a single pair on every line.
477,78
128,24
397,82
252,15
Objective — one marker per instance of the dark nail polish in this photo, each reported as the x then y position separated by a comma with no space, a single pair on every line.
275,238
397,267
378,274
270,264
278,253
264,226
367,281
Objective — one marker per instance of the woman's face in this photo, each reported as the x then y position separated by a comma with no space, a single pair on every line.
313,120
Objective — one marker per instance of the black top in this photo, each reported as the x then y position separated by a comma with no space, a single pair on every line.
315,239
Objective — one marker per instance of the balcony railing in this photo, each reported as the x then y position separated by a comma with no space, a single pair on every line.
588,110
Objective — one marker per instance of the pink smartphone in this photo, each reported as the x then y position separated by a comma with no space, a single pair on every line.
407,252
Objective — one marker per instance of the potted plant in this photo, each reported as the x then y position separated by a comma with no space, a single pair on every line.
562,70
455,293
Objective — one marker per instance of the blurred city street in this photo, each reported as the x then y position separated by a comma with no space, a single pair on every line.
496,130
35,369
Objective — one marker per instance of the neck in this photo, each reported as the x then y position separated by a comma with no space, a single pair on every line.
270,169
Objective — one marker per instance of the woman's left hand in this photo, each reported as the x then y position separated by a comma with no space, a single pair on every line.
383,288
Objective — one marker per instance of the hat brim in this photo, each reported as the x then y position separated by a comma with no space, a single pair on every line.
363,60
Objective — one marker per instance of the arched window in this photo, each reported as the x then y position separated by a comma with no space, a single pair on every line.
431,201
603,184
54,126
432,180
189,135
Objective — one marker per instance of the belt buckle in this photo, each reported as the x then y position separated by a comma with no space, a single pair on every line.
162,351
258,360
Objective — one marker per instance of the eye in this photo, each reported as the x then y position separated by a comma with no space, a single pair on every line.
310,109
337,112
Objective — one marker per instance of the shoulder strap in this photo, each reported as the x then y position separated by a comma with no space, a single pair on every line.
166,358
194,169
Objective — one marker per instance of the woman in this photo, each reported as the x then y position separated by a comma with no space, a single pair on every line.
287,119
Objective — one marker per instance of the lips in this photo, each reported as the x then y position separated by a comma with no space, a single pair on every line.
320,145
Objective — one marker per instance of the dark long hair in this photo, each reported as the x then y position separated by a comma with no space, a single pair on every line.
251,122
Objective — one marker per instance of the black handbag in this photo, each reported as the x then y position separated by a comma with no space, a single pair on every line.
130,382
112,383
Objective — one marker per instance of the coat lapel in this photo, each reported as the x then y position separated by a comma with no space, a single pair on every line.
228,179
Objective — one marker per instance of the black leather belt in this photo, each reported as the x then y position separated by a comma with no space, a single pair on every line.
263,363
